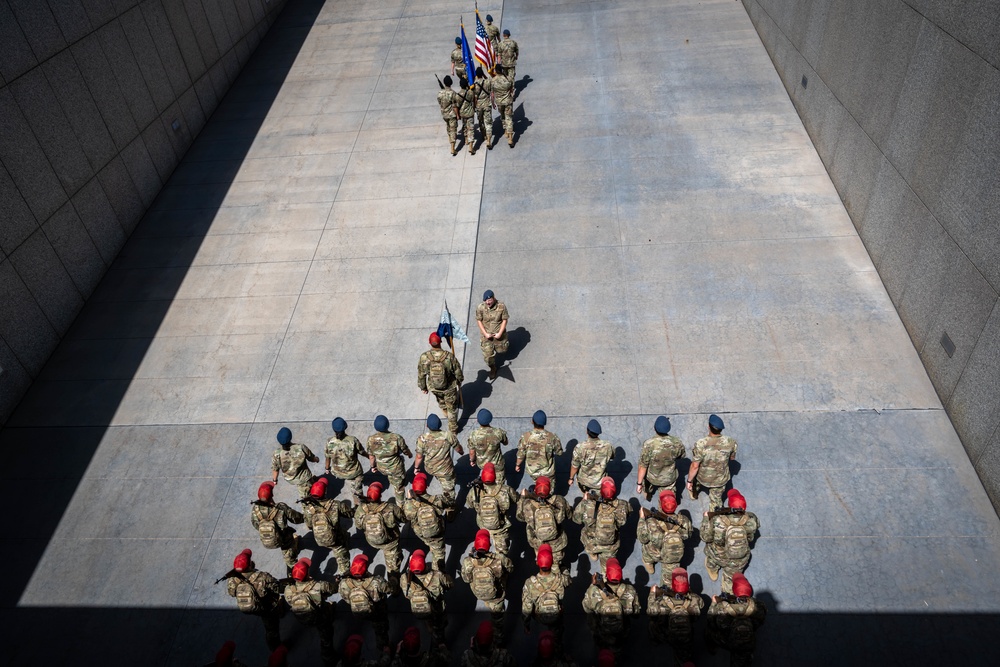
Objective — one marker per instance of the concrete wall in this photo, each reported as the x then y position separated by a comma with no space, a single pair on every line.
902,100
99,101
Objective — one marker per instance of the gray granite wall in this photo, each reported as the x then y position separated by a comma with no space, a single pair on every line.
99,100
902,100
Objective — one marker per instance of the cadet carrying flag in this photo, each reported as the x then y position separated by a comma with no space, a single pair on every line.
484,47
449,327
470,67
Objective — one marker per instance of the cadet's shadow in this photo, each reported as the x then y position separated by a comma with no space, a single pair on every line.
334,485
691,543
473,394
620,468
514,478
627,535
734,470
518,340
581,582
562,483
522,84
642,585
521,123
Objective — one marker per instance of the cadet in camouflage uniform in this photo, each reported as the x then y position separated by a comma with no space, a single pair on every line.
662,535
728,538
507,52
550,653
257,594
323,517
543,514
503,97
658,460
291,460
710,463
449,110
351,656
541,598
380,522
609,605
458,62
271,520
466,98
492,32
385,454
434,455
486,573
590,458
602,518
408,653
367,594
483,88
733,622
309,600
485,649
486,445
672,613
538,449
342,457
439,372
492,502
492,316
426,516
425,590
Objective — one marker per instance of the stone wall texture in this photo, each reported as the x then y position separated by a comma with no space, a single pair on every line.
99,100
902,100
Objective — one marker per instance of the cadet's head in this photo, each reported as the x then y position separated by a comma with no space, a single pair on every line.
547,645
434,339
359,566
679,580
243,561
318,489
418,562
489,474
715,424
375,492
506,33
484,417
463,84
608,490
447,80
265,491
300,572
539,419
339,426
381,424
736,500
458,41
593,428
419,484
543,487
488,294
482,542
741,587
433,422
489,19
411,641
484,635
225,655
613,571
285,436
479,72
278,657
544,559
668,501
499,69
662,425
605,658
352,648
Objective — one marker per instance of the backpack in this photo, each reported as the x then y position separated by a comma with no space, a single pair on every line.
484,584
742,637
427,518
437,374
546,527
679,624
374,527
489,511
673,547
323,530
611,612
302,601
361,602
605,524
420,598
737,543
548,603
247,599
270,533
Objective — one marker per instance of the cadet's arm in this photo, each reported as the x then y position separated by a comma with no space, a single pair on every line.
328,462
503,329
692,473
418,462
641,479
482,330
572,473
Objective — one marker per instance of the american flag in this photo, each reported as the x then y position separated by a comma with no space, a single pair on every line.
484,48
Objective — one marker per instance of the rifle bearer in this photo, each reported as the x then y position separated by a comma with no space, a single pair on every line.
609,603
602,517
257,593
662,534
729,534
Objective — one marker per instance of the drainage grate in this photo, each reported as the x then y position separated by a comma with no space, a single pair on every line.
948,345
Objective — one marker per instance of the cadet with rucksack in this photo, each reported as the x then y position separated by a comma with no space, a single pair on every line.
309,600
602,517
662,534
733,621
426,514
710,463
439,372
434,449
271,520
543,514
609,603
542,596
673,611
492,502
380,522
257,593
323,517
366,593
425,589
486,573
343,454
729,535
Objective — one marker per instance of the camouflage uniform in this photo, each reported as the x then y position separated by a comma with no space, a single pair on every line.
507,52
425,592
294,467
712,454
538,448
732,624
487,442
435,448
484,109
344,463
590,458
503,97
492,502
458,63
492,319
323,518
663,541
659,457
497,657
387,450
728,538
367,518
265,597
418,510
447,102
285,537
309,602
445,385
467,112
367,596
539,514
541,599
491,590
671,621
493,33
608,615
602,522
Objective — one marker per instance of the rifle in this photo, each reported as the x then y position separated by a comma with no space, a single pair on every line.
229,575
598,581
308,500
725,511
439,81
664,517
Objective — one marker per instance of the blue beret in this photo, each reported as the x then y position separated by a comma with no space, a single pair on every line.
715,421
484,417
458,40
538,418
339,425
489,18
284,435
662,425
488,294
594,426
433,422
507,32
381,424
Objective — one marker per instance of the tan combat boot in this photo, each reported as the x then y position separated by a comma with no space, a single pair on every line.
713,572
650,567
510,139
489,143
453,151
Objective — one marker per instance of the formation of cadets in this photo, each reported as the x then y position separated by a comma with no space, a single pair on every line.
610,603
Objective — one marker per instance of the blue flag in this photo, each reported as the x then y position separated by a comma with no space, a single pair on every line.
449,327
470,67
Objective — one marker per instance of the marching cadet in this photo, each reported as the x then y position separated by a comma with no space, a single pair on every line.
343,453
486,573
537,449
271,520
425,590
449,110
590,458
292,460
439,372
507,52
408,653
323,517
483,89
503,97
710,463
486,444
492,503
426,516
492,32
458,62
728,535
541,598
609,603
602,518
367,593
434,456
733,621
662,534
351,656
380,521
658,460
492,317
467,113
672,613
309,600
543,514
257,594
385,454
485,649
